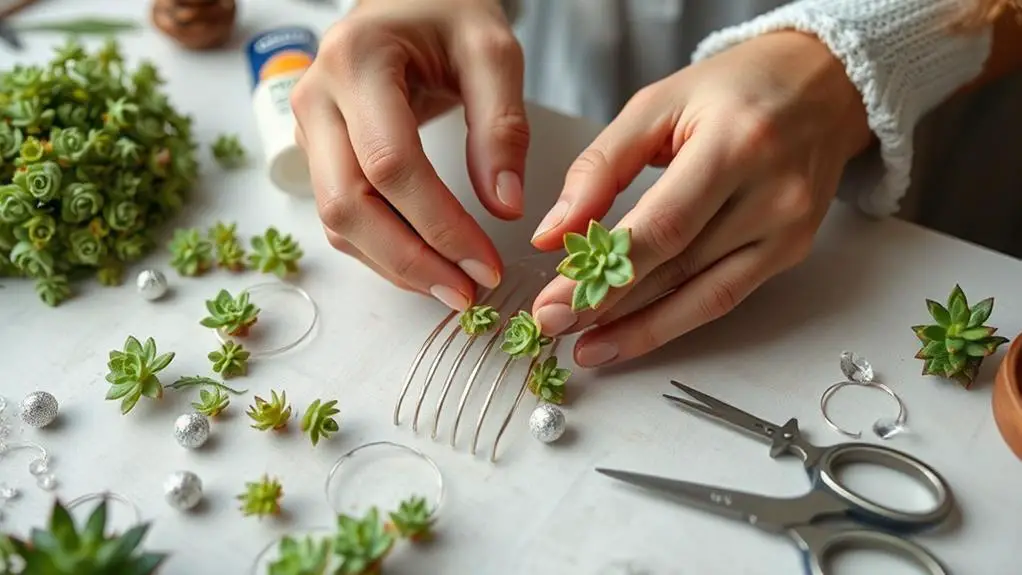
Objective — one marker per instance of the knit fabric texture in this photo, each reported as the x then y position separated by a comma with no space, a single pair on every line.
901,55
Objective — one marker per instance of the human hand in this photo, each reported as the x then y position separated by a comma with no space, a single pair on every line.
388,66
754,141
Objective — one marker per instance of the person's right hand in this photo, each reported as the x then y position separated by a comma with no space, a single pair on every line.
381,71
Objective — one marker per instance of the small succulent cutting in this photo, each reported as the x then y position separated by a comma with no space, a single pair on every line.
956,345
275,253
479,319
191,255
230,360
413,519
306,556
212,402
228,151
235,316
361,544
132,372
597,261
230,254
64,548
319,421
274,414
523,336
547,381
261,498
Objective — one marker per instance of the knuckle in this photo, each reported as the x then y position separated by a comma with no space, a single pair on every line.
384,165
592,160
495,43
800,246
338,242
302,95
343,40
445,233
795,201
663,233
721,299
650,337
511,128
642,99
340,213
408,260
757,135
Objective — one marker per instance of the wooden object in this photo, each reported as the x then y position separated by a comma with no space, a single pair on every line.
1007,397
196,24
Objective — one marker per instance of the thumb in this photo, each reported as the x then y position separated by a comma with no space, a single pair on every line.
491,70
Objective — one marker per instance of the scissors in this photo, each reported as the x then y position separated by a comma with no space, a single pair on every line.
801,517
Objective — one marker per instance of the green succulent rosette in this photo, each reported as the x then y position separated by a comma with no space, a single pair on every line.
81,202
86,247
41,180
523,337
597,261
16,205
69,144
39,229
32,261
10,141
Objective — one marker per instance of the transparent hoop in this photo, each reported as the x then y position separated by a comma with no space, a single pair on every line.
278,286
108,495
266,556
825,398
396,448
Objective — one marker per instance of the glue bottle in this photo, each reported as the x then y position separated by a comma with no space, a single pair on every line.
277,58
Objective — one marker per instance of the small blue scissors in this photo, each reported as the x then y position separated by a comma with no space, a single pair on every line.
801,517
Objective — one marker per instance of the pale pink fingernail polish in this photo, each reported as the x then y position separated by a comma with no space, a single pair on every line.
451,297
480,273
552,218
555,318
594,354
509,190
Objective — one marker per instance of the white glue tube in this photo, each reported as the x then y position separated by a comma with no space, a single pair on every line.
277,58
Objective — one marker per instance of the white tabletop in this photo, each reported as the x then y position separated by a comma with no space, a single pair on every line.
539,509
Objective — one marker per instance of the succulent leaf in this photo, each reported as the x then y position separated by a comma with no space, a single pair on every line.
413,519
361,544
191,255
132,372
211,402
479,319
230,360
523,336
274,414
547,381
261,498
275,253
598,261
306,556
235,316
319,421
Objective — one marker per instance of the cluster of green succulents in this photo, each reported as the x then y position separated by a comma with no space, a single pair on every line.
358,546
228,151
64,548
318,421
93,158
547,381
193,254
261,498
956,344
597,261
132,372
233,315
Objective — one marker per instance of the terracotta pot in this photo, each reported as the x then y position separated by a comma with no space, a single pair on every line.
1007,398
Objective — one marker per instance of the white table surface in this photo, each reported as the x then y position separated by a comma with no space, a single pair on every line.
539,509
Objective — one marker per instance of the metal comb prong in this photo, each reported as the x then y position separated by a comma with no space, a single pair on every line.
518,400
429,375
418,360
489,399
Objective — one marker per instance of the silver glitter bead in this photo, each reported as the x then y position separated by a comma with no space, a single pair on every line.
183,490
39,409
191,430
151,284
547,423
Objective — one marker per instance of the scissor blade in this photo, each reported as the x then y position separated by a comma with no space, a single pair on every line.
9,36
755,509
724,411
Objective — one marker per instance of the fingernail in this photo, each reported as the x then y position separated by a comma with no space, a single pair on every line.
481,273
552,218
555,318
509,190
595,354
451,297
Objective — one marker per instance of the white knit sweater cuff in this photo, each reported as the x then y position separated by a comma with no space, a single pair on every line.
511,8
900,55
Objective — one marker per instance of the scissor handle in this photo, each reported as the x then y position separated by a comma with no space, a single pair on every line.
817,543
869,511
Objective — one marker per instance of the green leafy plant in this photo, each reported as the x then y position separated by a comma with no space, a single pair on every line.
319,421
274,414
306,556
211,402
228,151
230,360
132,372
597,261
547,381
361,544
81,26
229,252
479,319
235,316
261,498
523,336
413,519
191,255
275,253
956,344
64,548
93,160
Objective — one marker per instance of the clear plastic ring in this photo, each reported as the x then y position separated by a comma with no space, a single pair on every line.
898,422
109,495
287,345
336,487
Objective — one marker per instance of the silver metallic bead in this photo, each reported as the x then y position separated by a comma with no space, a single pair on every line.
39,409
151,284
191,430
183,490
547,423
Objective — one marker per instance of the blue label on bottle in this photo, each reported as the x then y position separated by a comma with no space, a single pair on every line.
279,52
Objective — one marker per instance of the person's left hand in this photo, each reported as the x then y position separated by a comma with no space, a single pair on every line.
754,141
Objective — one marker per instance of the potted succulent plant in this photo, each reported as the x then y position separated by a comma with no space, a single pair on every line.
1007,397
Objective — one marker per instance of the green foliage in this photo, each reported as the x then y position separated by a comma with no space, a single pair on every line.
306,556
230,360
479,319
132,372
229,252
273,414
597,261
319,421
523,336
63,548
235,316
275,253
211,402
957,343
93,159
228,151
191,255
361,544
413,519
547,381
261,498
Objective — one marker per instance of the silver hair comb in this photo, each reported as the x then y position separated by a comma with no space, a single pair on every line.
523,281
